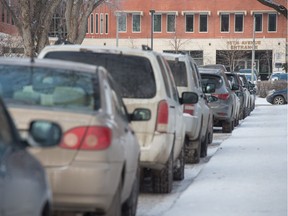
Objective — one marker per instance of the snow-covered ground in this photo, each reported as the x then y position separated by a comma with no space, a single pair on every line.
245,173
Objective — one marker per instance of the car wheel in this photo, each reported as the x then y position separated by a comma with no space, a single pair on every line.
129,208
178,173
115,208
227,126
278,100
162,180
204,146
210,136
192,155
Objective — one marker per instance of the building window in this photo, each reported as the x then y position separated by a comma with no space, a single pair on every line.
96,23
225,22
3,14
122,22
258,22
189,22
106,23
136,23
101,23
239,20
157,22
171,19
203,23
272,22
91,23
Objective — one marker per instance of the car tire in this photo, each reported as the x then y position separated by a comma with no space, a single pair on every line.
210,131
129,208
227,126
162,180
278,100
115,207
192,155
46,210
178,173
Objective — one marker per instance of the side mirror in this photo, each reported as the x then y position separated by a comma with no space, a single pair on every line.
189,98
44,133
140,114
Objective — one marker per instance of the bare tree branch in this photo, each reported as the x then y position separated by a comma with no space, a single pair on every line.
278,7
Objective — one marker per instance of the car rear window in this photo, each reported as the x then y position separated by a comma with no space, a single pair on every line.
207,79
49,87
134,74
179,72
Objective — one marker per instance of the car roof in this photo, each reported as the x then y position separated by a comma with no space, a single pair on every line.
101,49
49,63
214,71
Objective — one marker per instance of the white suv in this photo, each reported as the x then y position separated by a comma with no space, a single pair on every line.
146,81
199,116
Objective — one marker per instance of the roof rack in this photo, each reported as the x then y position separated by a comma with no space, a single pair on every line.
146,47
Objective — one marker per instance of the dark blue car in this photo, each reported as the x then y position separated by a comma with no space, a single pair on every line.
278,97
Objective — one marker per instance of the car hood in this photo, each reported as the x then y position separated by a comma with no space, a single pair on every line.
54,156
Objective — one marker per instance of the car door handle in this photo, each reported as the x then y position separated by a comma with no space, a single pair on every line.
173,107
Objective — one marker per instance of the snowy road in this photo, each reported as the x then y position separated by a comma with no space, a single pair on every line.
245,173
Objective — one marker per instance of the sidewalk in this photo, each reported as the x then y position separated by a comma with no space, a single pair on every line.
248,174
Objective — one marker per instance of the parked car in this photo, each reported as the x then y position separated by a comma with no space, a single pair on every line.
249,71
199,116
278,97
24,189
146,81
242,93
278,76
251,88
226,107
96,167
215,66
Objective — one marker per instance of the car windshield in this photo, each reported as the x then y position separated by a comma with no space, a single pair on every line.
134,74
179,72
49,87
248,77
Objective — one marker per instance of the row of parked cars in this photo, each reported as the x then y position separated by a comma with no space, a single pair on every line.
120,112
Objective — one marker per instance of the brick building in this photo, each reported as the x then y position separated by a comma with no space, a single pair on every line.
6,22
212,31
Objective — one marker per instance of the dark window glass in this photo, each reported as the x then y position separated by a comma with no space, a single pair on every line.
171,18
258,22
136,22
272,22
225,22
210,79
46,87
178,69
157,23
91,23
203,23
189,23
238,22
97,23
133,74
6,135
106,23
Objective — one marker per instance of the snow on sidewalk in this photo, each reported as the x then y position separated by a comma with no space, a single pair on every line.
248,174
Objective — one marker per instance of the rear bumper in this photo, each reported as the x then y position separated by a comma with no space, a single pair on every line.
84,186
155,154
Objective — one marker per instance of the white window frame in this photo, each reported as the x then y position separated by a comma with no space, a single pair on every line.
255,22
157,14
189,14
206,22
101,23
170,14
276,21
228,23
140,21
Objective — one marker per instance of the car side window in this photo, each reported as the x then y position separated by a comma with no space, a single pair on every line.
6,134
171,81
194,75
164,75
198,74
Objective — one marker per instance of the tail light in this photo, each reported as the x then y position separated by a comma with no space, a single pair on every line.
162,117
221,96
189,108
87,138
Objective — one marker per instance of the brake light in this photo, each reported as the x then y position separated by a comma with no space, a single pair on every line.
221,96
87,138
189,108
162,117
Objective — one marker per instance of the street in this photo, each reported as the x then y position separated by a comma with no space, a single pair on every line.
244,174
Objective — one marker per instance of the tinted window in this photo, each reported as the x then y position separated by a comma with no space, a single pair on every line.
133,74
210,79
5,128
47,87
178,70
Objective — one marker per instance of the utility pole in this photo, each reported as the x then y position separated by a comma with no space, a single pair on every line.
253,50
